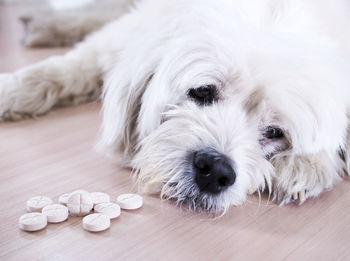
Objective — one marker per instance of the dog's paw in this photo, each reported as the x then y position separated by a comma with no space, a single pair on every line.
301,177
283,197
8,90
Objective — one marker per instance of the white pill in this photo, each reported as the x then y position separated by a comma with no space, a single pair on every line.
64,198
99,197
55,213
111,210
80,190
32,221
129,201
36,204
96,222
79,203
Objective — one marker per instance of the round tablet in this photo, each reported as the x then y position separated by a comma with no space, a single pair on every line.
129,201
80,190
36,204
111,210
55,213
63,199
32,221
96,222
99,197
79,203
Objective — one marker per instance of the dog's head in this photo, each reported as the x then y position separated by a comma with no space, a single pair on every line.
201,100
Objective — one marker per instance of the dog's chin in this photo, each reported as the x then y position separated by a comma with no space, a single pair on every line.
172,177
204,202
185,193
176,182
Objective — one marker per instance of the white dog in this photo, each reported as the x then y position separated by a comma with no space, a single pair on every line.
210,100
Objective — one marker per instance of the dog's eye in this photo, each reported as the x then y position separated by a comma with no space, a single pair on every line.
203,95
273,133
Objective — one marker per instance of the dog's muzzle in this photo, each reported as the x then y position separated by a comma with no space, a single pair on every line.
213,171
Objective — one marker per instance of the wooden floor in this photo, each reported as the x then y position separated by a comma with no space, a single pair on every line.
54,154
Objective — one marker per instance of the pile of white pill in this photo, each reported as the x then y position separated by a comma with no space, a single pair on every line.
78,203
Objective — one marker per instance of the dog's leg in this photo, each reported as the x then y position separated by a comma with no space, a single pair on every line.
58,81
299,177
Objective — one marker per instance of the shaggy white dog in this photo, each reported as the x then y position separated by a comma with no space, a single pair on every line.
210,100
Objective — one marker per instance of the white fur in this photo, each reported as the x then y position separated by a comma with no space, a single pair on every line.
274,63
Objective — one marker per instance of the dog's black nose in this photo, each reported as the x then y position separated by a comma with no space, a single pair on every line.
213,171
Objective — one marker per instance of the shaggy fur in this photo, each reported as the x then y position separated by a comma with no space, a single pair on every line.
270,63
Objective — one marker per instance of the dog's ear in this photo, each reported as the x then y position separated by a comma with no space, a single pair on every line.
134,65
122,97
